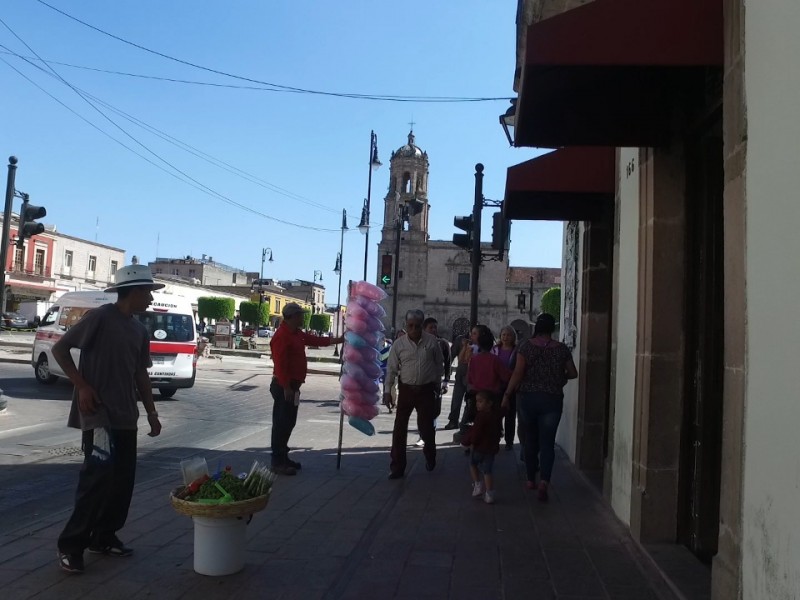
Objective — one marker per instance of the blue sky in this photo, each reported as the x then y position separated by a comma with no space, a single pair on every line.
314,148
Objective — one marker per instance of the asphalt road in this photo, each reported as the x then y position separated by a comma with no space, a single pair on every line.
228,408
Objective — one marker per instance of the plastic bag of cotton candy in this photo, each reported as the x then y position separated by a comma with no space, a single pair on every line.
361,390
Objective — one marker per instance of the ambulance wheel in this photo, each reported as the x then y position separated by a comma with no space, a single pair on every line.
167,392
42,370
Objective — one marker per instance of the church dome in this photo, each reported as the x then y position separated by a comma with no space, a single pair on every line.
410,150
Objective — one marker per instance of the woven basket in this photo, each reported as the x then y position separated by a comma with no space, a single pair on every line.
242,508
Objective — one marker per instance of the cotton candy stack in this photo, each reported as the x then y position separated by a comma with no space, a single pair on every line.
361,390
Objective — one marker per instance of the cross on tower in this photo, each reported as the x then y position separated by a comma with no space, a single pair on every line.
412,123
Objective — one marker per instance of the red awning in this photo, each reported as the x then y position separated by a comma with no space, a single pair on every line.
570,184
610,72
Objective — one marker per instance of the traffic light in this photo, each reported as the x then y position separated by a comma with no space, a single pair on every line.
463,240
27,221
501,228
386,269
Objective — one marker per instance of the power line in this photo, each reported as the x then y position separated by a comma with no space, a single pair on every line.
276,86
194,182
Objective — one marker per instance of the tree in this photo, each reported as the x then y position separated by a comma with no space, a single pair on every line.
551,302
215,308
248,312
320,322
306,319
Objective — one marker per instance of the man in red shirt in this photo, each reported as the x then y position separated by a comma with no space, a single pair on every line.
289,371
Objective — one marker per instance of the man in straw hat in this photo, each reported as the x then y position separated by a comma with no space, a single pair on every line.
112,377
290,367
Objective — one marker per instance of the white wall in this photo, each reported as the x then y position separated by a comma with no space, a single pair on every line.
771,503
626,262
567,434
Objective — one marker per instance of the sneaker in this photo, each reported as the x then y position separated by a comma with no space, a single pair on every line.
477,489
294,464
420,442
284,469
451,425
115,548
531,485
71,563
542,493
488,497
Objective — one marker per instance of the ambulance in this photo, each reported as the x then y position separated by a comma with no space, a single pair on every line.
169,321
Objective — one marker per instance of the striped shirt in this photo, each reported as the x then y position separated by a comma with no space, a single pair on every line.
415,363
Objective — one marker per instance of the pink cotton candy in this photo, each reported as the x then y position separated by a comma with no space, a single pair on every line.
373,308
361,411
368,290
354,309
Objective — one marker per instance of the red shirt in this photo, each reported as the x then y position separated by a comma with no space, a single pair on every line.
484,435
289,353
487,373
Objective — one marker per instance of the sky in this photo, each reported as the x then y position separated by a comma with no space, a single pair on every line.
228,171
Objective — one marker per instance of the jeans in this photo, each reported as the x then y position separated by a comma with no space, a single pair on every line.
510,421
284,418
105,489
459,389
539,416
423,400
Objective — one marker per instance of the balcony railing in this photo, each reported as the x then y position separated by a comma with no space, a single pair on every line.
36,272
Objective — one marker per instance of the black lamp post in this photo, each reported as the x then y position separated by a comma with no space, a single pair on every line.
261,285
363,226
338,270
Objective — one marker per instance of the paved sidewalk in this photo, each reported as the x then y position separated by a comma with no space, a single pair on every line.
352,534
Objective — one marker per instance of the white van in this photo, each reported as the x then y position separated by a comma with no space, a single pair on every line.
169,320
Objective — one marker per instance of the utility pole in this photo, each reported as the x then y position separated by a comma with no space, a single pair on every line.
10,192
476,245
401,216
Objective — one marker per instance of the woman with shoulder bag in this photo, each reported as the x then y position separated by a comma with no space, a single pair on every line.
543,367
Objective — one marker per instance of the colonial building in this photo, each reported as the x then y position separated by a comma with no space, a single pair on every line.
435,275
52,263
676,174
202,271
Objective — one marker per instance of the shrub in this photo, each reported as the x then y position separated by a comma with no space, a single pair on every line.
249,312
551,302
320,322
216,308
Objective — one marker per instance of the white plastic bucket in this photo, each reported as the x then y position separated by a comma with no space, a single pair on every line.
219,545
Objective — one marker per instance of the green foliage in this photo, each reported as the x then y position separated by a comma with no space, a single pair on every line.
551,302
306,319
216,308
249,312
320,322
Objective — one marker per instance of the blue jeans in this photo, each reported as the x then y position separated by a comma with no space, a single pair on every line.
539,416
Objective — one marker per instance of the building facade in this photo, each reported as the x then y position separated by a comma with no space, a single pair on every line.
52,263
435,275
202,271
676,128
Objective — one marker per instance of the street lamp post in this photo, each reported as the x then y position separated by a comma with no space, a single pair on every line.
530,307
363,226
261,285
317,277
338,270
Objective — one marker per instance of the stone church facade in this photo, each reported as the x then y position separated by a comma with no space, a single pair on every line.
435,275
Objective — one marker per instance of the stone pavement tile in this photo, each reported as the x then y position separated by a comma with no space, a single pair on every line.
528,589
428,558
425,581
627,592
566,584
616,566
569,562
15,546
462,591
